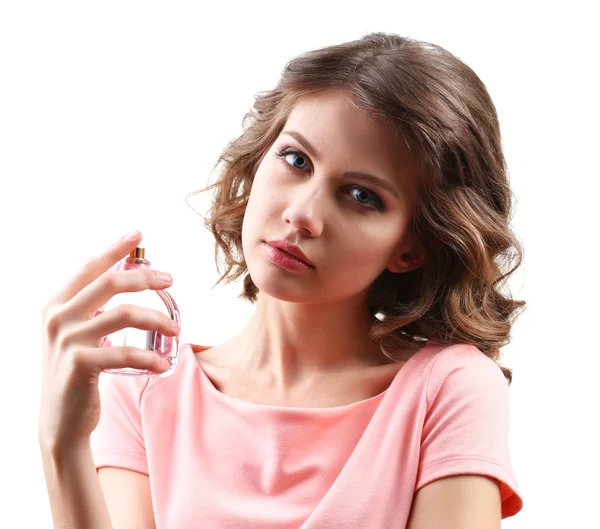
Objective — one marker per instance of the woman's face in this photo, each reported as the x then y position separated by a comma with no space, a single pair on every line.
350,228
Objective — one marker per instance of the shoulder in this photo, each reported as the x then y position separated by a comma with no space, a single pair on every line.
466,423
463,369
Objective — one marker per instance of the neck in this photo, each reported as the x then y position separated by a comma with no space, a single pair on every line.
294,341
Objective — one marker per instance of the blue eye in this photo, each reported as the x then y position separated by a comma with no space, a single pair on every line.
363,192
286,152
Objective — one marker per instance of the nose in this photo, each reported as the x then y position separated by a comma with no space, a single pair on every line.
306,208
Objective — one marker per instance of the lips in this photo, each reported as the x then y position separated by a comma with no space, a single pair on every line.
290,249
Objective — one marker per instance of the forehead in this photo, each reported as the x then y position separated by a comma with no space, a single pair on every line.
356,140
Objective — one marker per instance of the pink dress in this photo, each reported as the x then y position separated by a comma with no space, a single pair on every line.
216,461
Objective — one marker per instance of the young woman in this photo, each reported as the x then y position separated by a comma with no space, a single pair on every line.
366,389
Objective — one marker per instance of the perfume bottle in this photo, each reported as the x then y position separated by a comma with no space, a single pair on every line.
165,346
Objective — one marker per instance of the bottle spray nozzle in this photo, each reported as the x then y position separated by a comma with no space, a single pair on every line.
138,253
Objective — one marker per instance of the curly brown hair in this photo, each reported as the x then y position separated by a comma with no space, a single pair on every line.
443,110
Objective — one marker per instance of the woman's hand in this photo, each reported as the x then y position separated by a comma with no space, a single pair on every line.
72,352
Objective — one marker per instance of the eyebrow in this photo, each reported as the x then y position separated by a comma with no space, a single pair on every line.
348,174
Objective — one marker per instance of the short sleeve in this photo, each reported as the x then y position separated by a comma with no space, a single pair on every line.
117,440
467,423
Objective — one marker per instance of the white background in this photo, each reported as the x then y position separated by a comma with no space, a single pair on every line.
111,112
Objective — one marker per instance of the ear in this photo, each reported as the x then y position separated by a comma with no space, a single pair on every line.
405,261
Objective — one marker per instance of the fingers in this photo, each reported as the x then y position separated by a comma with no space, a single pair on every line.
96,266
85,303
94,360
123,316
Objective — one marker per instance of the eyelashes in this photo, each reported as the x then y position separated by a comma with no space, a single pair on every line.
377,202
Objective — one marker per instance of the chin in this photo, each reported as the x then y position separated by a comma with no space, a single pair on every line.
278,286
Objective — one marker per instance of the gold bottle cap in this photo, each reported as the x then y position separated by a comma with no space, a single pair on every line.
138,253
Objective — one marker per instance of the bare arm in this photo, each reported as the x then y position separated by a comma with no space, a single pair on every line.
457,502
128,498
76,498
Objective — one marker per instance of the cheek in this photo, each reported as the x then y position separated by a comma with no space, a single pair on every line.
263,187
250,223
263,204
258,209
368,248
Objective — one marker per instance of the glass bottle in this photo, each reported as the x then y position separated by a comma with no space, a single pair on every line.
165,346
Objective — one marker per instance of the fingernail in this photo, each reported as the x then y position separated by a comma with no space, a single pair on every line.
131,235
165,276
